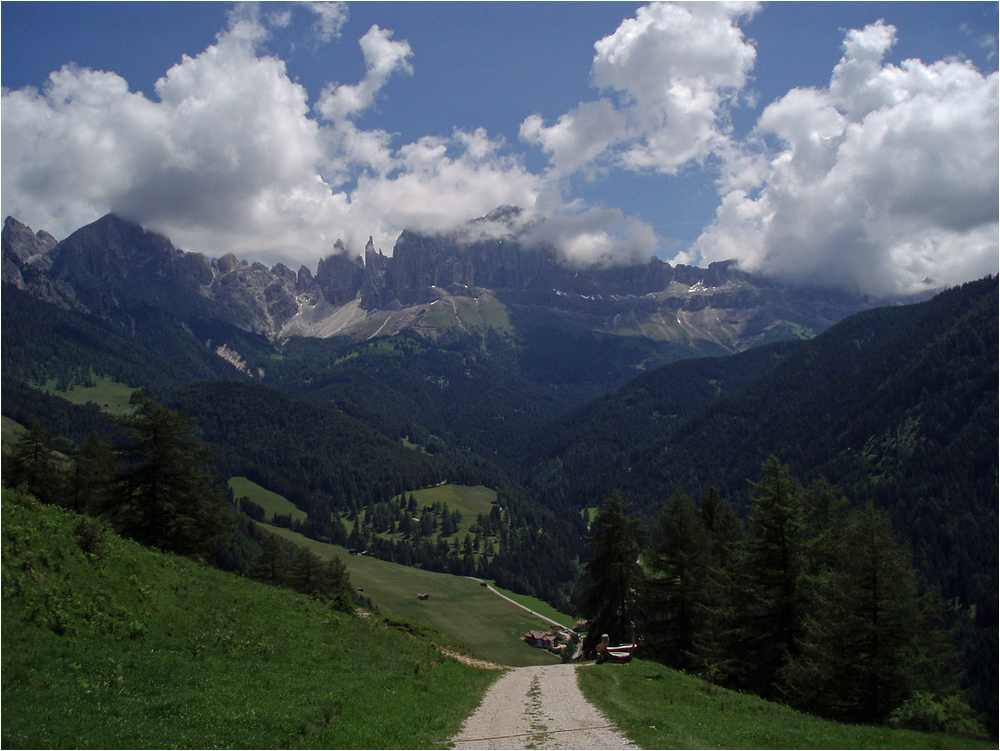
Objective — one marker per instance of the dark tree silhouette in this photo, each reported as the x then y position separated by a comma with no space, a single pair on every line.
612,578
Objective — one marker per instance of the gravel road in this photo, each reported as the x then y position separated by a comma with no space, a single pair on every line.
538,707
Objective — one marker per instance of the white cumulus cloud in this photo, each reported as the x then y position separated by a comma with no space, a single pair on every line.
231,157
383,57
672,70
885,182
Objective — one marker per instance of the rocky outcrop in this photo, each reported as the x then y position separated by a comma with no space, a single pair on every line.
25,247
115,265
27,256
339,276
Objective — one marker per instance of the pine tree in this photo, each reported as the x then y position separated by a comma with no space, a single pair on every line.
166,500
92,478
34,464
612,578
676,592
337,586
869,644
771,585
272,561
726,536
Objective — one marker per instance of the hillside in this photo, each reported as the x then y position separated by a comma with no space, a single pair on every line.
468,613
662,708
897,405
109,645
587,454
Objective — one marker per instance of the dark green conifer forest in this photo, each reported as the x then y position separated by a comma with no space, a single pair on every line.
814,605
812,521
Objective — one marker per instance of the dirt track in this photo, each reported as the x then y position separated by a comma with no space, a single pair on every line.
538,707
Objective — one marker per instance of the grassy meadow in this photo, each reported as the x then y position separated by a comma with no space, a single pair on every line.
272,503
107,644
657,707
111,397
539,606
469,500
467,314
471,615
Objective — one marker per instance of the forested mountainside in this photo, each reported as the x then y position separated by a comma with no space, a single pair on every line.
555,398
317,457
897,406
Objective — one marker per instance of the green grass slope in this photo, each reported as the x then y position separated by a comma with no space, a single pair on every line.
471,615
110,397
662,708
272,503
107,644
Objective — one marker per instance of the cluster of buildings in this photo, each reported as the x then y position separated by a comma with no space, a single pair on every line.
555,642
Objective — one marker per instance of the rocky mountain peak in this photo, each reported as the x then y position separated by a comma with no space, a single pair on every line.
23,244
28,254
339,275
112,265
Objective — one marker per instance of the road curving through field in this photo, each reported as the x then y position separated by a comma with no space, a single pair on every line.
512,601
538,707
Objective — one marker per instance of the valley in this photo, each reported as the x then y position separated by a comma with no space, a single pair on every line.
472,617
510,398
131,646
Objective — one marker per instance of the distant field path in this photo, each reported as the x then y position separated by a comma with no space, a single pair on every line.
515,602
539,707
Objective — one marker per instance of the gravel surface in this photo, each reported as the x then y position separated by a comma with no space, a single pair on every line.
538,707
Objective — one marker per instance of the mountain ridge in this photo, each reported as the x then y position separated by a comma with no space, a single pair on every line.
112,265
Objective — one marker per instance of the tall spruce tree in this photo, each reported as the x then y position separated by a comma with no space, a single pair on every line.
34,464
166,500
676,594
612,578
869,643
771,586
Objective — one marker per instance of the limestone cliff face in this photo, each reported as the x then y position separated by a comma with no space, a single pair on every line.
256,298
421,262
113,266
27,255
339,276
376,293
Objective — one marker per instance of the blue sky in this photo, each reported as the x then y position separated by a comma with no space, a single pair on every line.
849,144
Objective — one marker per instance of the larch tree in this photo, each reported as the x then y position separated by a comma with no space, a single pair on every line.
869,643
679,564
165,498
771,584
612,577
